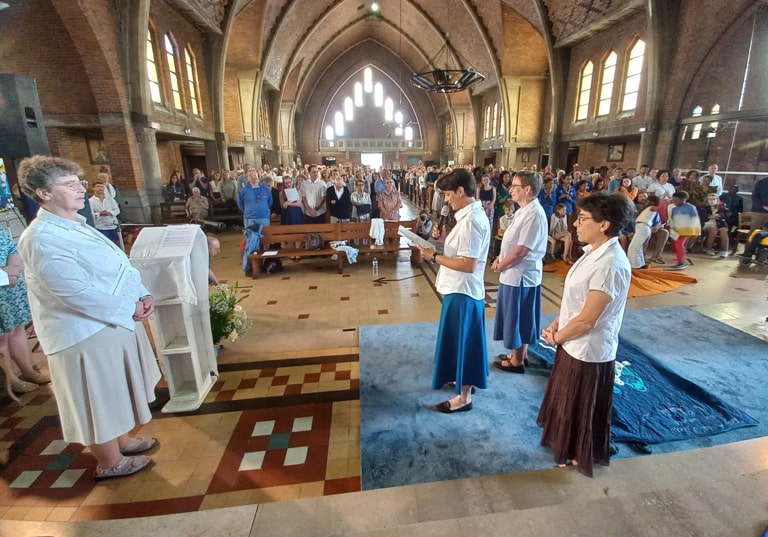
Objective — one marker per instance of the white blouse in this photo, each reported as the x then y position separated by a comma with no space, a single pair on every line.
470,237
605,269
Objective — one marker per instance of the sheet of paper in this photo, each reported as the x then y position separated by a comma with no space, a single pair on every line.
411,236
4,278
269,252
291,194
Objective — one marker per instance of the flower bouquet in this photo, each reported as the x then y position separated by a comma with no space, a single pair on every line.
228,319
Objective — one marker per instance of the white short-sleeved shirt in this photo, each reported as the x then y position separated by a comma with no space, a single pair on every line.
528,228
315,191
470,237
604,269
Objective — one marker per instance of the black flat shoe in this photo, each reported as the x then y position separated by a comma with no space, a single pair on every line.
502,357
520,369
445,407
452,384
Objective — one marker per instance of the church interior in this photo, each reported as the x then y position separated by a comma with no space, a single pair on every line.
141,88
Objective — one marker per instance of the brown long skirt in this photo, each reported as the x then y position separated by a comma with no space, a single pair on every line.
576,411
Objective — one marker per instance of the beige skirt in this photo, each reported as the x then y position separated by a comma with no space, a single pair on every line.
104,384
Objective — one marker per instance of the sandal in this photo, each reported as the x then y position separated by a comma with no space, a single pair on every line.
20,386
139,445
509,367
125,466
39,377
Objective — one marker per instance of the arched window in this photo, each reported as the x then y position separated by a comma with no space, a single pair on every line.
449,133
368,80
487,123
714,124
632,80
173,69
378,95
585,87
606,85
501,121
349,109
189,57
358,94
338,120
696,131
389,109
495,126
152,71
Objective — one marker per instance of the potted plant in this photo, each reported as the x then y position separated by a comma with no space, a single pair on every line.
228,319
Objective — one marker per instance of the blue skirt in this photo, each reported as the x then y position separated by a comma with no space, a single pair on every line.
518,315
460,353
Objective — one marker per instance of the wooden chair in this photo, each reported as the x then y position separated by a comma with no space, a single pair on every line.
743,229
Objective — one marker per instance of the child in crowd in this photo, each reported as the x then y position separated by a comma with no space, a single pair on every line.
424,225
683,223
558,231
504,223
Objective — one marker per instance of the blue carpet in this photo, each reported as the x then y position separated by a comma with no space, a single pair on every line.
404,442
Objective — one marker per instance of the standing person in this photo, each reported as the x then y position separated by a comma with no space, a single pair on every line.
105,212
518,308
339,200
88,304
110,191
291,213
486,193
576,411
14,317
254,200
683,223
361,202
647,221
228,189
313,197
389,201
461,348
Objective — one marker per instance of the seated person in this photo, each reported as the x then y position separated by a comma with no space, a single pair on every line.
714,223
197,206
756,240
558,232
424,225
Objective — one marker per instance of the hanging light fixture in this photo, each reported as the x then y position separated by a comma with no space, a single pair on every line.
446,79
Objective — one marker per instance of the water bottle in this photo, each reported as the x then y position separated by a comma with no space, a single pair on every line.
375,268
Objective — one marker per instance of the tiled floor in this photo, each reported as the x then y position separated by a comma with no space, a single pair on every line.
282,421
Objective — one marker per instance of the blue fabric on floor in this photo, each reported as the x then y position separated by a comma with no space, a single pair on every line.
652,404
404,441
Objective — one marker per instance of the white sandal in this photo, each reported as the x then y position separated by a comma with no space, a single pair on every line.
125,466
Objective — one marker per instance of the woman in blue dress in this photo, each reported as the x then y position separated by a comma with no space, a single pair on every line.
460,353
14,317
291,213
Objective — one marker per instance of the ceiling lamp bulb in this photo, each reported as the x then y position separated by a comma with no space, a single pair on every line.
375,8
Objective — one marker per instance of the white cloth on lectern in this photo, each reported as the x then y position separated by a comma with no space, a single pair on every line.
377,231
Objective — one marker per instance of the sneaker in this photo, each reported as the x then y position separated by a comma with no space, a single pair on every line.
724,254
711,253
680,266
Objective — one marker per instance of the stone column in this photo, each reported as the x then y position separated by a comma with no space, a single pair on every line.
216,157
148,199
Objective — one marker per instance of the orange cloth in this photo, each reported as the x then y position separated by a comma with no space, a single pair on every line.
645,282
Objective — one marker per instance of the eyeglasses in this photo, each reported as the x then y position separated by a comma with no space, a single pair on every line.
517,184
580,218
74,185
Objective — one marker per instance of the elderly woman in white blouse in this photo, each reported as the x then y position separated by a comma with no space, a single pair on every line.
88,304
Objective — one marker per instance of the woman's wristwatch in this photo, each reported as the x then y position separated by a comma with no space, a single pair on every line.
434,258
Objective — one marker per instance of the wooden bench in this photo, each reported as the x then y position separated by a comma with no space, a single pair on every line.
174,212
287,236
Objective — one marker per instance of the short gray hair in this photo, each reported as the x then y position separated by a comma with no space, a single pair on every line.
41,171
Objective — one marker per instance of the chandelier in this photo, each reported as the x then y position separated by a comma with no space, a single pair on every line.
446,80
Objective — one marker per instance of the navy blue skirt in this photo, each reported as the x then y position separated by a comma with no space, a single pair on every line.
518,316
460,353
